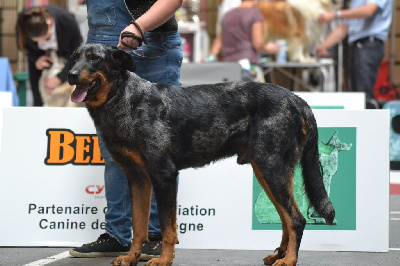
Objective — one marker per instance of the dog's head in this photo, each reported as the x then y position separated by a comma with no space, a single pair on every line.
94,67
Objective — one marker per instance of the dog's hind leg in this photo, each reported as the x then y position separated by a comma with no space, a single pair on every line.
285,237
278,185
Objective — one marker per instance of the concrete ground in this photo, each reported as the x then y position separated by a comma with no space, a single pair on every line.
184,257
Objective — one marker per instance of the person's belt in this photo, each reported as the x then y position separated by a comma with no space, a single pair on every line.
367,39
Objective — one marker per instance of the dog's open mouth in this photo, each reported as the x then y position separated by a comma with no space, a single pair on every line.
85,92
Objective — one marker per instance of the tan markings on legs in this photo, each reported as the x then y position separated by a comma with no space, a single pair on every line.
141,200
169,239
270,259
292,247
140,216
169,235
291,252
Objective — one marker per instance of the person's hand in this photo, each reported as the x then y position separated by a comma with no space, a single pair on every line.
326,17
272,48
129,40
43,62
50,84
322,51
211,58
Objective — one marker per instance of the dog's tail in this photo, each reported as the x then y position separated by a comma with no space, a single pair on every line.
313,181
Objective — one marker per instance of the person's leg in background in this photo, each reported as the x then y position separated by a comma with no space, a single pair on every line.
106,21
365,61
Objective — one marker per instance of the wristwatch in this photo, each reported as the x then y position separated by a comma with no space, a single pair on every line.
337,14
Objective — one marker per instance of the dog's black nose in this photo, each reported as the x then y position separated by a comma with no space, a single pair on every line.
73,76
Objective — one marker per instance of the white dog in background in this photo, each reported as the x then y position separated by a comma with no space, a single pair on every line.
296,21
61,95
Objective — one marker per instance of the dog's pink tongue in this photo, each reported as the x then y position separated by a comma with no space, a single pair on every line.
79,94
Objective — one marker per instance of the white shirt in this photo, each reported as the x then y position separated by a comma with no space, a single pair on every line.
50,44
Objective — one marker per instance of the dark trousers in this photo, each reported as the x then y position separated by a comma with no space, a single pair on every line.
366,56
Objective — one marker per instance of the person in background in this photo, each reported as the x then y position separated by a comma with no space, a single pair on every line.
216,46
242,36
159,61
366,23
40,29
79,10
249,30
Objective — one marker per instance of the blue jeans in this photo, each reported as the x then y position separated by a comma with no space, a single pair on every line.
160,62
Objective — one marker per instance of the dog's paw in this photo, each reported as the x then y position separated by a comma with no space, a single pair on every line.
125,261
271,259
158,262
285,262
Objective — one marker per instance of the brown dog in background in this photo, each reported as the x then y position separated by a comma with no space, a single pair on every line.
295,21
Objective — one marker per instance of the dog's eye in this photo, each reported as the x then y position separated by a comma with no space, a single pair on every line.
93,57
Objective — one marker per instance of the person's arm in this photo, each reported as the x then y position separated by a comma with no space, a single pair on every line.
365,11
333,38
258,42
216,46
158,14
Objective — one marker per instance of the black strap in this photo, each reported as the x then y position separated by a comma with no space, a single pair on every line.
130,35
140,30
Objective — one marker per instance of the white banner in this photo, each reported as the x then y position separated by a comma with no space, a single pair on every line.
5,101
334,100
52,188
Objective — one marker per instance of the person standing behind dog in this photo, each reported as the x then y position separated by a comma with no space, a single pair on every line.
45,28
366,23
216,46
159,61
242,35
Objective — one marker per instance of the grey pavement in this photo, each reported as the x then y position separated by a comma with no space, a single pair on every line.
185,257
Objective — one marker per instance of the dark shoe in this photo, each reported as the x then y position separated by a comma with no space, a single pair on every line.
104,246
152,249
372,104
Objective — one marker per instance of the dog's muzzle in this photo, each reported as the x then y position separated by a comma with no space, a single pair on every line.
73,76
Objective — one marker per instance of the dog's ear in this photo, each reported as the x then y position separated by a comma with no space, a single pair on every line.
124,60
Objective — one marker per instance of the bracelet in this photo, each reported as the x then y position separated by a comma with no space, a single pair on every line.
337,14
140,30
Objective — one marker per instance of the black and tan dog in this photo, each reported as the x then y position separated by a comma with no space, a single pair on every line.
155,130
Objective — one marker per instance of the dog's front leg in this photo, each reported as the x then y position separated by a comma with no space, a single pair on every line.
166,194
141,198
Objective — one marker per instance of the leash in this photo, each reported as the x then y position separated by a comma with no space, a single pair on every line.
129,34
140,30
